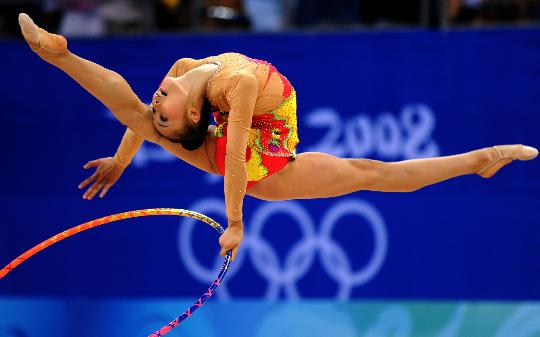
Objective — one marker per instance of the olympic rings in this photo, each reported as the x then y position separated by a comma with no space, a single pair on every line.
134,214
314,243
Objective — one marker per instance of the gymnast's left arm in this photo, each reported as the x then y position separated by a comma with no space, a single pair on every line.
241,97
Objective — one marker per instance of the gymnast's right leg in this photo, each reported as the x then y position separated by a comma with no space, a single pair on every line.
318,175
106,85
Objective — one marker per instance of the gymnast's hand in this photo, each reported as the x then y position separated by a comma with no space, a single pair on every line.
108,171
231,239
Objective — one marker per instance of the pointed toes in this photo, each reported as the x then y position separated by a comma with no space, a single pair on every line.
528,152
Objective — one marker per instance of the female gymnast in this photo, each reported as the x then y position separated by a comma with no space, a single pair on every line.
254,140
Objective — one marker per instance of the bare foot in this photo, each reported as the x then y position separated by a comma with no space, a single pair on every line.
502,155
39,39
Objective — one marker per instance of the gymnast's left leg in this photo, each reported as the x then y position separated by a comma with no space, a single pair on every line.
319,175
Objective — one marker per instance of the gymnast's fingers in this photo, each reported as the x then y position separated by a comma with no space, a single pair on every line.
86,194
224,249
105,190
88,180
96,190
90,164
234,252
92,191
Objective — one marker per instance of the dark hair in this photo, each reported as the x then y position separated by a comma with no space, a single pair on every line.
192,136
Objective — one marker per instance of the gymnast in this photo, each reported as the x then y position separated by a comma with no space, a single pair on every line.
254,140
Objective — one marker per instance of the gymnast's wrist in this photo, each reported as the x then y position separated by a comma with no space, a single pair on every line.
121,162
235,223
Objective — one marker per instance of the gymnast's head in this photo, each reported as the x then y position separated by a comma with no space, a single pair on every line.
174,115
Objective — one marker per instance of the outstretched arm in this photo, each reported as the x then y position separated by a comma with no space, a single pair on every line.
130,144
241,97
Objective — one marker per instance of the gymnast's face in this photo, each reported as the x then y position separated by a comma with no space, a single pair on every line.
169,108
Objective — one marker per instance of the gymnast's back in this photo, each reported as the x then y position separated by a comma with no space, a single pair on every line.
272,87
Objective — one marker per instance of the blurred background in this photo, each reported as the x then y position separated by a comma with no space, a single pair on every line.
130,17
387,80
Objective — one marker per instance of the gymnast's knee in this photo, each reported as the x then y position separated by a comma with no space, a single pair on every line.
371,172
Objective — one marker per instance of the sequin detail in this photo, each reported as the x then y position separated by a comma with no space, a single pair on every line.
271,141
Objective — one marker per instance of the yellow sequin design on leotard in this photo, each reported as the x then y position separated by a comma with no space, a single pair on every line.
272,135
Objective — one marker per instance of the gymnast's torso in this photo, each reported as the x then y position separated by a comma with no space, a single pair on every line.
269,115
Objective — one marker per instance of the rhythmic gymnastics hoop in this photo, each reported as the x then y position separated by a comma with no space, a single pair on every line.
126,215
